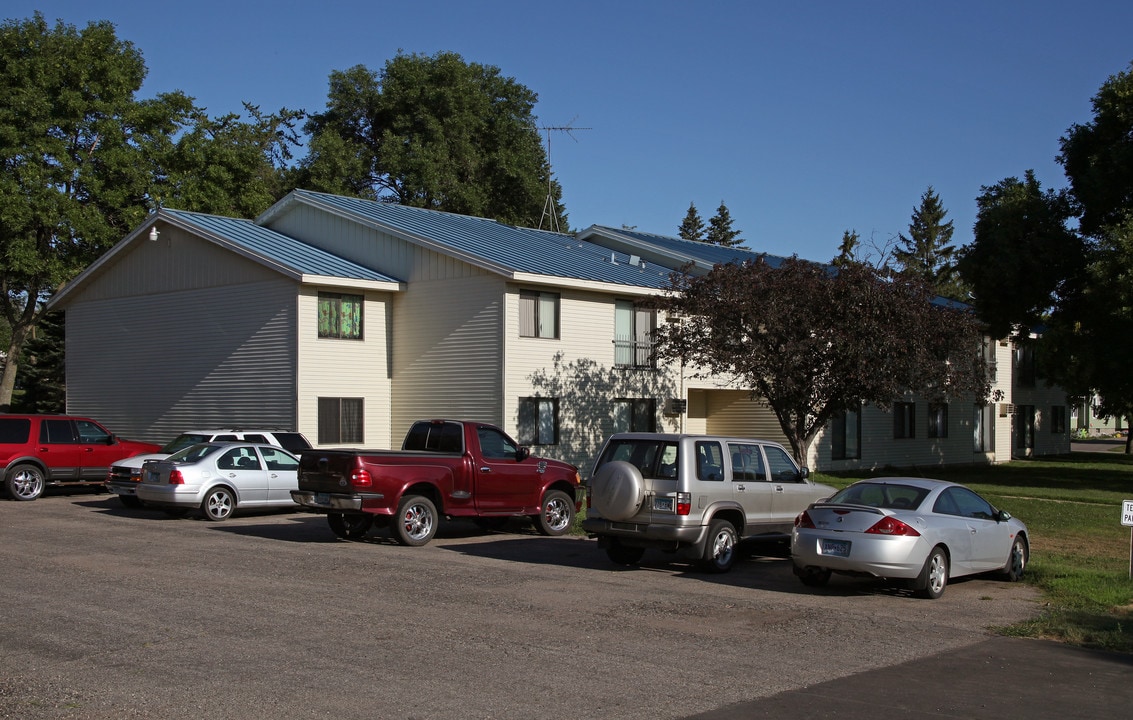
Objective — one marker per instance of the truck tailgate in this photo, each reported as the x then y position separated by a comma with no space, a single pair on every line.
326,470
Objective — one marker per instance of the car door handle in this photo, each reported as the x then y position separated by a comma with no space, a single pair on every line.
485,469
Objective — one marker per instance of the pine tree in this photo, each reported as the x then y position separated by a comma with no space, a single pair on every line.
692,228
720,230
848,250
42,371
927,251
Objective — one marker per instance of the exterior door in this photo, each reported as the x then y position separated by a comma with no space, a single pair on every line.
750,485
281,471
502,483
240,466
60,449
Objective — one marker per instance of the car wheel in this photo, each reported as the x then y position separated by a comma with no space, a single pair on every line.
416,521
350,527
813,577
130,501
720,550
617,490
218,504
1016,561
557,517
934,575
25,482
620,554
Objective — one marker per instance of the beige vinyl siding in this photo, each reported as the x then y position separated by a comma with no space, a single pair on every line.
733,412
447,358
215,357
330,367
577,368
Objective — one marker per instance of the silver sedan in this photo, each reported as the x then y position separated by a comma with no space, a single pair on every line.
218,478
910,529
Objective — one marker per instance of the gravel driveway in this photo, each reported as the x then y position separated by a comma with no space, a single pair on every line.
116,613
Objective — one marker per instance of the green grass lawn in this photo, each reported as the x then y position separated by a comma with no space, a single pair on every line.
1079,548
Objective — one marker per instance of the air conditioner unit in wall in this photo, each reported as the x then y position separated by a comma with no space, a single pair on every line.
1006,409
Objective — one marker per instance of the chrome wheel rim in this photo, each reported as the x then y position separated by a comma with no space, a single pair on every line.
556,514
937,572
1018,559
219,505
722,548
27,484
417,521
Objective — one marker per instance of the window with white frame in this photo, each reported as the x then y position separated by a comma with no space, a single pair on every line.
340,316
340,420
981,428
538,421
635,415
538,314
633,334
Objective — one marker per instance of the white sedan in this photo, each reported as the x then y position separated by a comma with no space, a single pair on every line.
910,529
218,478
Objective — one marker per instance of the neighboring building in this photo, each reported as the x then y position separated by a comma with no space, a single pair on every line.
348,319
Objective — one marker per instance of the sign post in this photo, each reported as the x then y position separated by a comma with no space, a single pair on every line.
1127,519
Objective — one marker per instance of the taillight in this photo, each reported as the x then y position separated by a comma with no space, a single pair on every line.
684,503
360,477
803,520
176,478
892,526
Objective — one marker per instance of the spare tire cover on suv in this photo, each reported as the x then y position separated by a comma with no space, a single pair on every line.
617,491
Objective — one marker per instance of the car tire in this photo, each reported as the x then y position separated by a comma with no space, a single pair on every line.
933,579
720,548
416,521
130,501
352,526
617,490
1016,561
25,482
557,516
219,504
625,555
813,577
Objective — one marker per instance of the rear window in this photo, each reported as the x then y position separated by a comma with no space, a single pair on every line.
654,458
435,437
193,453
14,431
881,495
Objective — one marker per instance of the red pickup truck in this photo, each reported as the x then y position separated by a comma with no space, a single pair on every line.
450,468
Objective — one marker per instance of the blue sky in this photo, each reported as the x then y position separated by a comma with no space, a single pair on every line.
805,119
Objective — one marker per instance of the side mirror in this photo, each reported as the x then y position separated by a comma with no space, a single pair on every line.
522,453
1002,516
804,473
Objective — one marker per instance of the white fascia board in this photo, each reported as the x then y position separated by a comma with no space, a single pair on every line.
329,281
576,284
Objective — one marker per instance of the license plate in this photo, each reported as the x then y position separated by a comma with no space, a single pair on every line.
664,504
153,476
322,498
837,548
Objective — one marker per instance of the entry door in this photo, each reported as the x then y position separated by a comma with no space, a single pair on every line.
502,483
240,466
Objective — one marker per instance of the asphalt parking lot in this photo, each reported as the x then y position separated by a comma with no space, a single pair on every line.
113,613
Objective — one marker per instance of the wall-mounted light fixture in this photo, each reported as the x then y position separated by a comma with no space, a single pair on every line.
153,233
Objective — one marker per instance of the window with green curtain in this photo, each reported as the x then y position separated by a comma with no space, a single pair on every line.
340,316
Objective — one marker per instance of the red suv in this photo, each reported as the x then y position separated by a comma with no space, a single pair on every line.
41,450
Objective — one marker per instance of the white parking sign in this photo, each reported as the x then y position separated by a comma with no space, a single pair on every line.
1127,512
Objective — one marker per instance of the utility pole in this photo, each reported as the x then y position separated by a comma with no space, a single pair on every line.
550,208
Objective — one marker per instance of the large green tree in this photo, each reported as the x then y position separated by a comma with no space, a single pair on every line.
75,168
927,250
813,343
434,132
1024,258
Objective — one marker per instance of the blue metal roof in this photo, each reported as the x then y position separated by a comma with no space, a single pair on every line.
704,252
504,247
277,248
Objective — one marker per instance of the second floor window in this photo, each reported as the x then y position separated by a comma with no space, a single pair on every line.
1025,366
938,420
340,316
633,335
538,314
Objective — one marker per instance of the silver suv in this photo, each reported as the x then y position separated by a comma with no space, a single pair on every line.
693,495
124,475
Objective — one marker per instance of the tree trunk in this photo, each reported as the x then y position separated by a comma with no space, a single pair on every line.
11,366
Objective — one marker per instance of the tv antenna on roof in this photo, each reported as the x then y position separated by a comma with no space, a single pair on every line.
550,208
